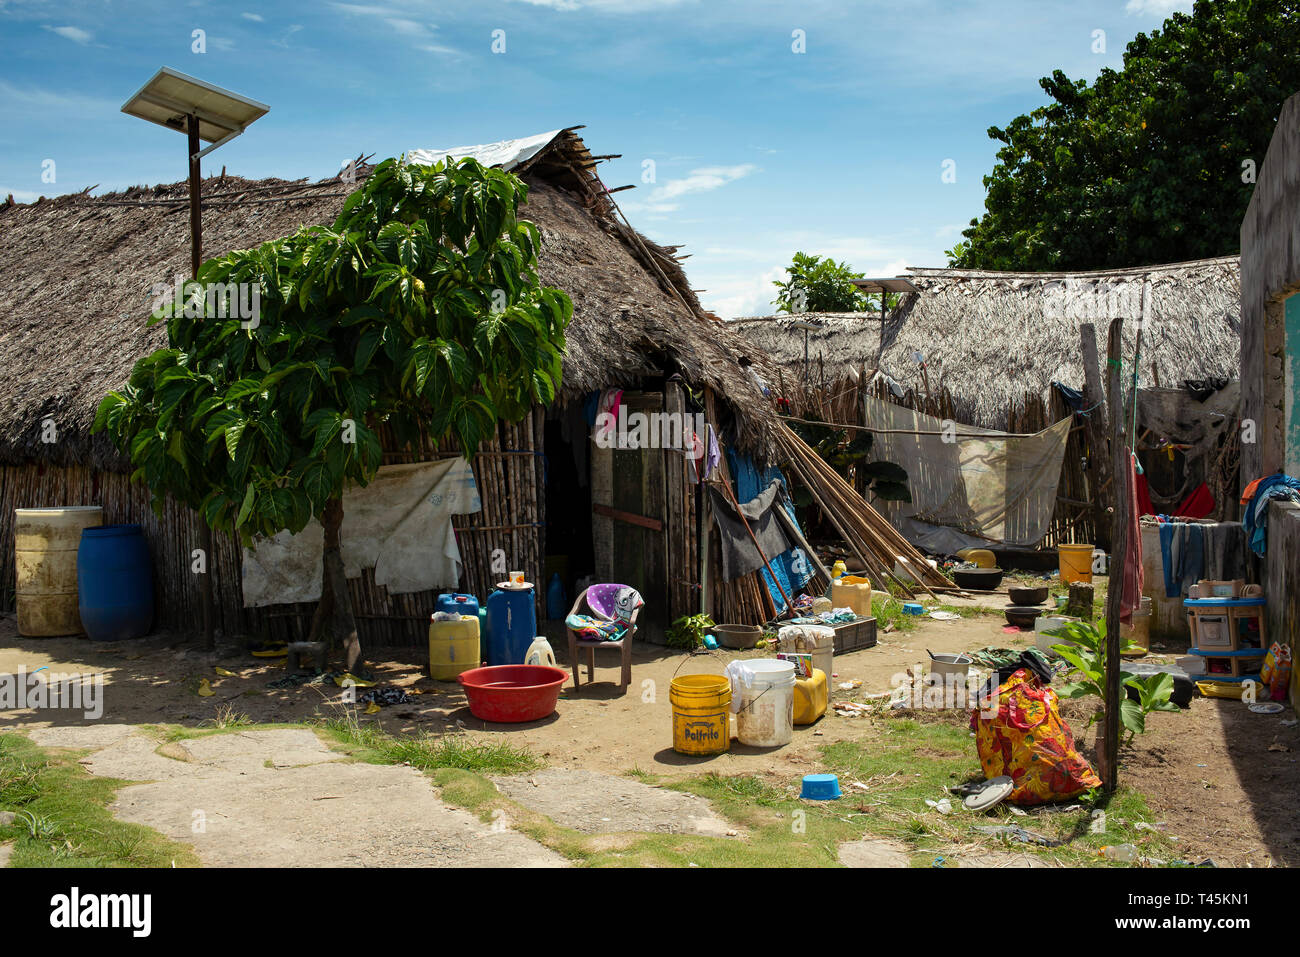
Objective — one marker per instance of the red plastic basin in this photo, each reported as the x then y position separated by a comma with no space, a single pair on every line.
508,694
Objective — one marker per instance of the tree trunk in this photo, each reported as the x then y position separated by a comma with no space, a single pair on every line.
333,620
1109,753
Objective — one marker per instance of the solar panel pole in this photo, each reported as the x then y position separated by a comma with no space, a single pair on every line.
196,259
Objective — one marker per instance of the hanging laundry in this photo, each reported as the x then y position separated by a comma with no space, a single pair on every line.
1279,486
1199,504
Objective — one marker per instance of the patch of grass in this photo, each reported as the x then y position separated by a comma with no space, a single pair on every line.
62,818
226,718
889,611
430,752
970,611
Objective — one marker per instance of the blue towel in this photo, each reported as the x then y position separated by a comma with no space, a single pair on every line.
1182,556
1255,521
1167,559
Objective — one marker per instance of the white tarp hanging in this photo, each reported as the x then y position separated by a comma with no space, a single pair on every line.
399,525
507,154
983,487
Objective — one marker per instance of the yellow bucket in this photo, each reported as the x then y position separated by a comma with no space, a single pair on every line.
453,647
701,714
1076,563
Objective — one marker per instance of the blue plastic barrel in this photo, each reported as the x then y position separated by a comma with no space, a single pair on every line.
512,625
455,603
114,582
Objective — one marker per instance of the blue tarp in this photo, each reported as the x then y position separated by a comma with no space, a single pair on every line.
749,482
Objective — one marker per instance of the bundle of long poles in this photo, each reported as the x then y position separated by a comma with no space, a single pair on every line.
875,542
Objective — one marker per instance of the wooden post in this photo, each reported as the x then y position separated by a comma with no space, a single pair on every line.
1094,400
1119,540
196,259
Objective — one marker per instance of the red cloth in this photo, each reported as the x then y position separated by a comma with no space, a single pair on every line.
1145,507
1197,505
1131,563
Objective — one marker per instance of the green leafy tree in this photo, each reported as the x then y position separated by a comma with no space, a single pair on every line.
1151,163
420,306
814,284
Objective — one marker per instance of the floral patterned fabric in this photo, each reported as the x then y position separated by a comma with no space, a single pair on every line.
1028,741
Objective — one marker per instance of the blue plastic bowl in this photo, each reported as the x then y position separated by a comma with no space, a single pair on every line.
820,787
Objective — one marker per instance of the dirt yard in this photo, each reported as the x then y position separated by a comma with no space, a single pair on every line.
1219,778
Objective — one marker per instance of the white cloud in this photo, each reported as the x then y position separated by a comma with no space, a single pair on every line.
33,100
662,199
75,34
255,17
422,34
745,295
1157,8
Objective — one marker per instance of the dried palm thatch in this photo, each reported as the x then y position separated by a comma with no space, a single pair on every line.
76,275
993,338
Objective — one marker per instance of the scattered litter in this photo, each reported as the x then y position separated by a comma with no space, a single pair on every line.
945,616
1097,824
850,685
371,708
943,806
1018,833
205,689
1276,746
383,697
851,709
1267,707
223,672
938,862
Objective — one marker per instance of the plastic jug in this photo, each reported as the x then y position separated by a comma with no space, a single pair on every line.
838,570
540,653
511,625
457,604
555,598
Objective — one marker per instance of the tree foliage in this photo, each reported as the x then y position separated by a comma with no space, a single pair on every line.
421,305
1151,163
815,284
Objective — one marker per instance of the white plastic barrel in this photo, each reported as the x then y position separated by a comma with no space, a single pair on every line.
765,718
45,566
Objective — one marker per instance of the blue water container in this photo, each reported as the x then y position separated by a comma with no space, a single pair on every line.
511,625
555,599
114,582
457,604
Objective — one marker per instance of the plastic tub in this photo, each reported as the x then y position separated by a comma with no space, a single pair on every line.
945,665
737,636
1076,563
509,694
765,716
820,787
701,714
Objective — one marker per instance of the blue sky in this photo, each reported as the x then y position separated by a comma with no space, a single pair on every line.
757,150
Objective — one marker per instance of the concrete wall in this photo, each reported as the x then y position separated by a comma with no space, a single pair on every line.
1282,582
1270,272
1270,362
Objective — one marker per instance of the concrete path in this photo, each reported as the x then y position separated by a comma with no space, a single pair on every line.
281,798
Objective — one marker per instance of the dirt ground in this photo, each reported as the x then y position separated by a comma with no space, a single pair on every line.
1217,776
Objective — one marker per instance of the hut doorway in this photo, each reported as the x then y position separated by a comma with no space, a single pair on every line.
570,550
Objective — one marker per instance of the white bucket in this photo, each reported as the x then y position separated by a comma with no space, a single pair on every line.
817,640
765,718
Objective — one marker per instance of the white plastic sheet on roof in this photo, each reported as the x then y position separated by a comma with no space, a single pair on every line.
507,154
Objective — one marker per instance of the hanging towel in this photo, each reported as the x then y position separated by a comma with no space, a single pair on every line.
1131,569
1197,505
740,556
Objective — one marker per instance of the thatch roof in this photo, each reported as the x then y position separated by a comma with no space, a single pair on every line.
76,272
991,338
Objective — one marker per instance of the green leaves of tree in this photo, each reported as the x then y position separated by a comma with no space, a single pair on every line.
421,304
1145,165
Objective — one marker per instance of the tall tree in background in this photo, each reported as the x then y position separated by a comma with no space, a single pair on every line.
819,285
1153,163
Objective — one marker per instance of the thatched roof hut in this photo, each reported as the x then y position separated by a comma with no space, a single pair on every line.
992,338
76,273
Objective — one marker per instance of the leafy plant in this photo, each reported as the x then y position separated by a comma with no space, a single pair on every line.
1088,656
688,631
819,285
1154,162
421,306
